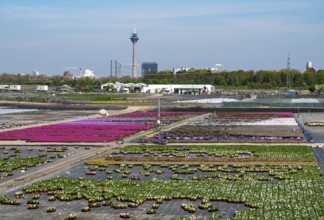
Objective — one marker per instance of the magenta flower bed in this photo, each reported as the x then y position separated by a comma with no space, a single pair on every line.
154,114
104,129
74,133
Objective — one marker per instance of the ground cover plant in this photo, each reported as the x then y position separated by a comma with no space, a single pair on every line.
15,160
259,151
103,129
240,171
257,127
252,115
314,123
267,191
74,132
149,117
301,199
7,166
262,163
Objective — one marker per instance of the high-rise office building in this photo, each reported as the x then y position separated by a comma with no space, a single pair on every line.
149,67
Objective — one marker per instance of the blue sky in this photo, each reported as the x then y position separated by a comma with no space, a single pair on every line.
248,35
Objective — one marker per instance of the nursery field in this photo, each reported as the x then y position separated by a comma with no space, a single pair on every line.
252,127
16,160
104,129
210,155
19,119
178,181
314,125
105,189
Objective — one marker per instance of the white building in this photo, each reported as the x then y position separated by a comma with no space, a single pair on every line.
180,69
35,72
217,68
309,65
88,73
125,87
42,88
4,87
15,87
180,89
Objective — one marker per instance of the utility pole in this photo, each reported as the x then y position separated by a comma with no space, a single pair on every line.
158,120
111,68
116,69
288,70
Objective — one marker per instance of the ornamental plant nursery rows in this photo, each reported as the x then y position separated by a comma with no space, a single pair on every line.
298,197
257,127
104,129
73,133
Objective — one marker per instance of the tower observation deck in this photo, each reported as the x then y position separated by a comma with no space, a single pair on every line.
134,38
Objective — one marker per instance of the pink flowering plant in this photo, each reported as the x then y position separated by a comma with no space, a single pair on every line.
103,129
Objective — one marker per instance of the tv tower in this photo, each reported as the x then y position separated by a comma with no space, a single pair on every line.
134,38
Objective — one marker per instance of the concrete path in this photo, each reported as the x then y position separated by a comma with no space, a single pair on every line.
319,154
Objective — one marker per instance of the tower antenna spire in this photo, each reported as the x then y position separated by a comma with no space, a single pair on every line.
134,27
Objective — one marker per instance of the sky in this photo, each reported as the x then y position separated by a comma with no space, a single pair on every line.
250,35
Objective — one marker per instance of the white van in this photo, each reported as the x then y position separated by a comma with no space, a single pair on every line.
125,90
166,92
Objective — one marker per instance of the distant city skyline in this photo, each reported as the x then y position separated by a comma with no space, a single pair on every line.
249,35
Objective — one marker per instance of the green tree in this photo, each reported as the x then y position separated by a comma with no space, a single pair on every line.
312,88
309,77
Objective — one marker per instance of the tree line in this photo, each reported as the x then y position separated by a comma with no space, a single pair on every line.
262,79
